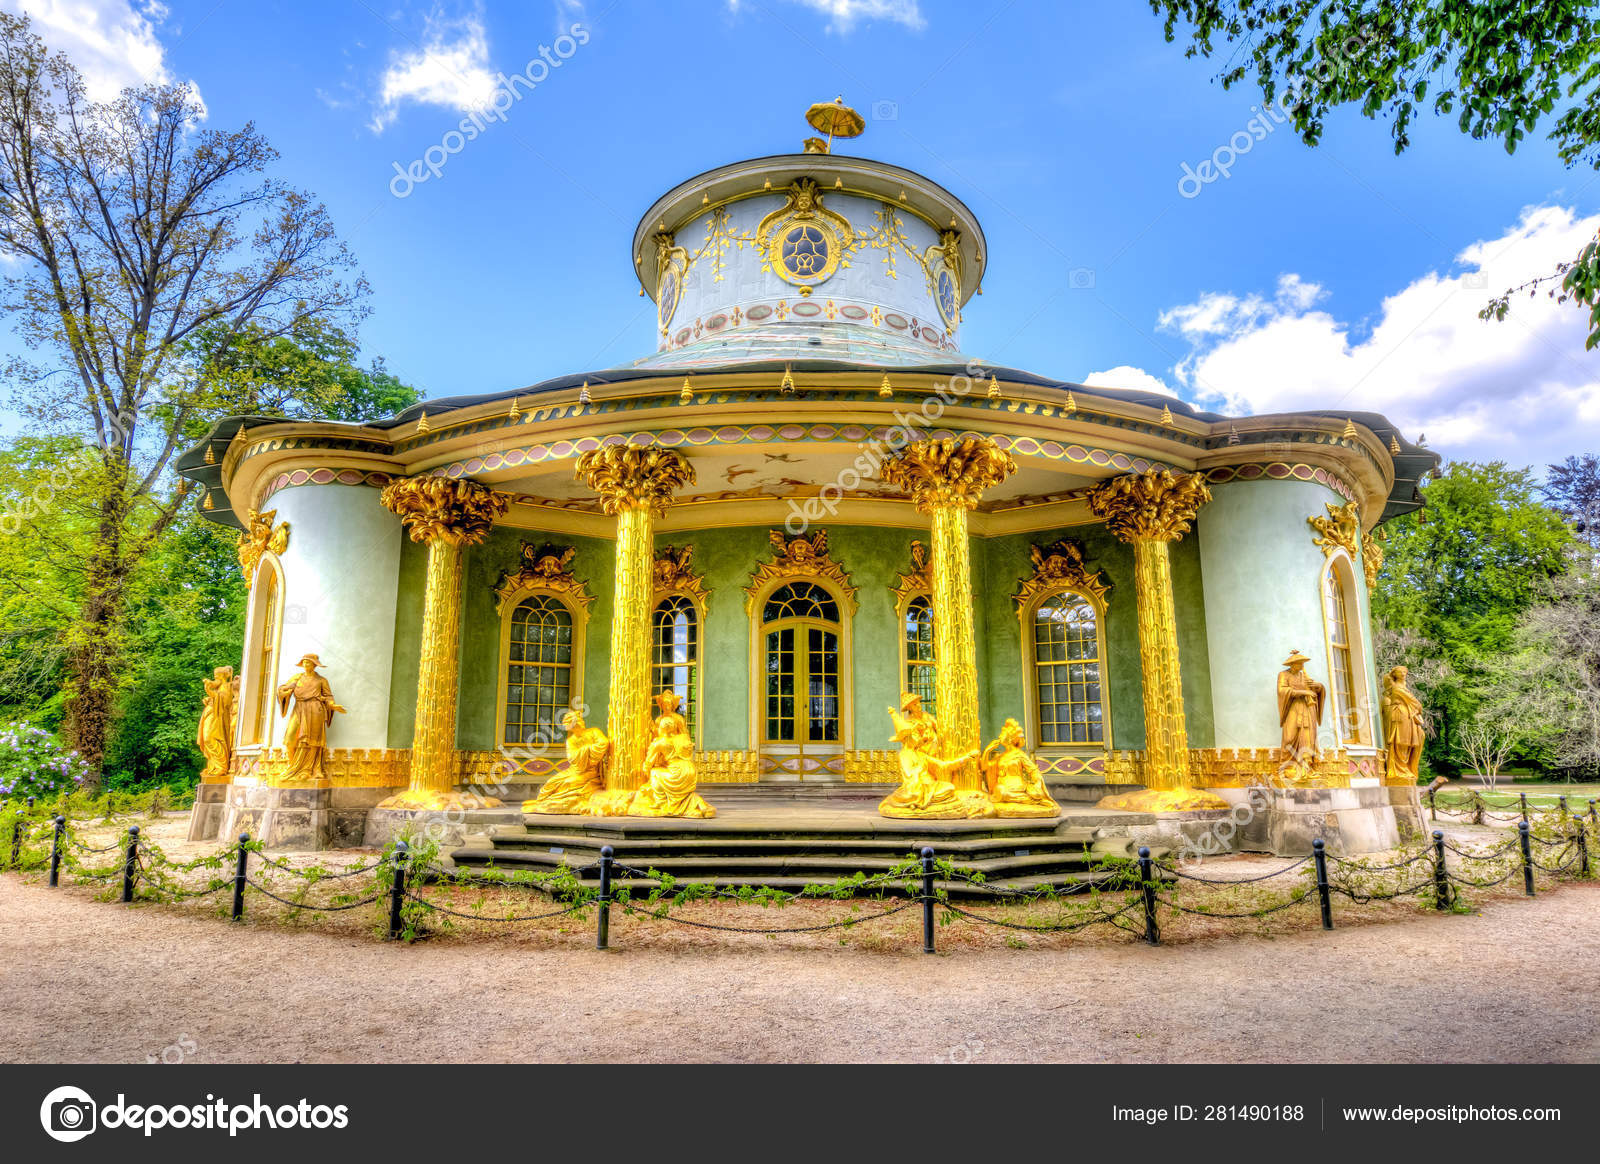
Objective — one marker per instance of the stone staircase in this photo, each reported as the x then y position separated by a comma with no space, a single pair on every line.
791,840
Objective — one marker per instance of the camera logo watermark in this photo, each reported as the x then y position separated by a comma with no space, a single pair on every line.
68,1114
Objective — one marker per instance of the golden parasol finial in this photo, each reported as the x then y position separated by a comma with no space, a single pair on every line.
836,119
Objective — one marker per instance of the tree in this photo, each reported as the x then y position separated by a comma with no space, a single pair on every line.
1460,574
139,233
1554,672
1573,488
1502,66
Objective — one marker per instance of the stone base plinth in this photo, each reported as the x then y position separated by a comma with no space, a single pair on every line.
448,827
210,805
1285,821
300,819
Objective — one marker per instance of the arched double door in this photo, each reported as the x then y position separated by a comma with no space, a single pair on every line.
801,698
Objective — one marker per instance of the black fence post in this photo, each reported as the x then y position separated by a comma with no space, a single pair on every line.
1433,808
1527,857
239,876
602,921
16,840
1523,796
1583,848
927,900
1441,879
130,867
1147,882
1319,854
397,892
55,852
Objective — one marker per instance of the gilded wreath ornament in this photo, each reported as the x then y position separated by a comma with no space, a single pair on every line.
672,574
260,537
805,556
1056,566
1340,530
546,567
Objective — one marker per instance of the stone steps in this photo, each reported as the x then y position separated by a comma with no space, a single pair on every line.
795,845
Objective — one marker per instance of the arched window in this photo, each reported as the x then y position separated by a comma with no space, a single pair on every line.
675,654
540,657
800,635
916,649
1069,698
1346,665
261,652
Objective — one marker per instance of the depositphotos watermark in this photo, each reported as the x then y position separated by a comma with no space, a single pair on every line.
69,1114
1269,116
508,91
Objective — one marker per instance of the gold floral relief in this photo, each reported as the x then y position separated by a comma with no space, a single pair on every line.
260,537
1057,565
1340,530
805,556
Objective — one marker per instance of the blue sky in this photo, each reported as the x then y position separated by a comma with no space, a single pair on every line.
1340,276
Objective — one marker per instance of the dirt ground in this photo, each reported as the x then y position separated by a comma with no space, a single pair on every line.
82,980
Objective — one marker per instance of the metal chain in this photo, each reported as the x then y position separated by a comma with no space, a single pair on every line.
1241,881
1065,927
302,905
484,917
1290,904
754,930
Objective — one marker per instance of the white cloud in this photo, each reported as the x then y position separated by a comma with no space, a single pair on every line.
843,14
451,70
1523,390
113,43
1127,376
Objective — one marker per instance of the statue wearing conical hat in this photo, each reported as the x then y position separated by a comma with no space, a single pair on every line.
1300,700
926,791
305,736
1012,777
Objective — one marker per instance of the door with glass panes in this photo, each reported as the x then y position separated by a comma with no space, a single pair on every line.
801,694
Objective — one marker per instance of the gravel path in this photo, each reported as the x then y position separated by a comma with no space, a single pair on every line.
87,981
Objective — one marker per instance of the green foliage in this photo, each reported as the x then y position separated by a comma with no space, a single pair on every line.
34,763
1501,66
1459,575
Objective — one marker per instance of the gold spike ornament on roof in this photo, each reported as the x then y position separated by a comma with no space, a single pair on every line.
1349,433
1394,443
1166,415
836,119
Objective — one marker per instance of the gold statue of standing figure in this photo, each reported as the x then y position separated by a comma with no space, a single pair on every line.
669,761
926,791
305,736
1402,728
1015,784
568,793
214,736
1300,700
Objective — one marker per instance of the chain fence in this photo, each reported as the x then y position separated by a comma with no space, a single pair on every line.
1131,895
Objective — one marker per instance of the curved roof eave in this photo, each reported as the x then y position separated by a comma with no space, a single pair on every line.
1412,463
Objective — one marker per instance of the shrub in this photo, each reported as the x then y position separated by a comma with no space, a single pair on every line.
33,763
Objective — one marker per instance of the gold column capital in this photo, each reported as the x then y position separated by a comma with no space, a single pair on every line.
456,511
634,477
949,473
1158,505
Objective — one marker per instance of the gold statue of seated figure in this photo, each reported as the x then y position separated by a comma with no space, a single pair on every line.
670,789
925,792
1013,779
568,792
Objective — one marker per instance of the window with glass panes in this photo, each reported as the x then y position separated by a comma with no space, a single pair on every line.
538,671
675,654
1066,671
919,650
1342,664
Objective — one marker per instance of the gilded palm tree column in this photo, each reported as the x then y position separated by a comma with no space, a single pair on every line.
635,485
447,515
946,479
1150,511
